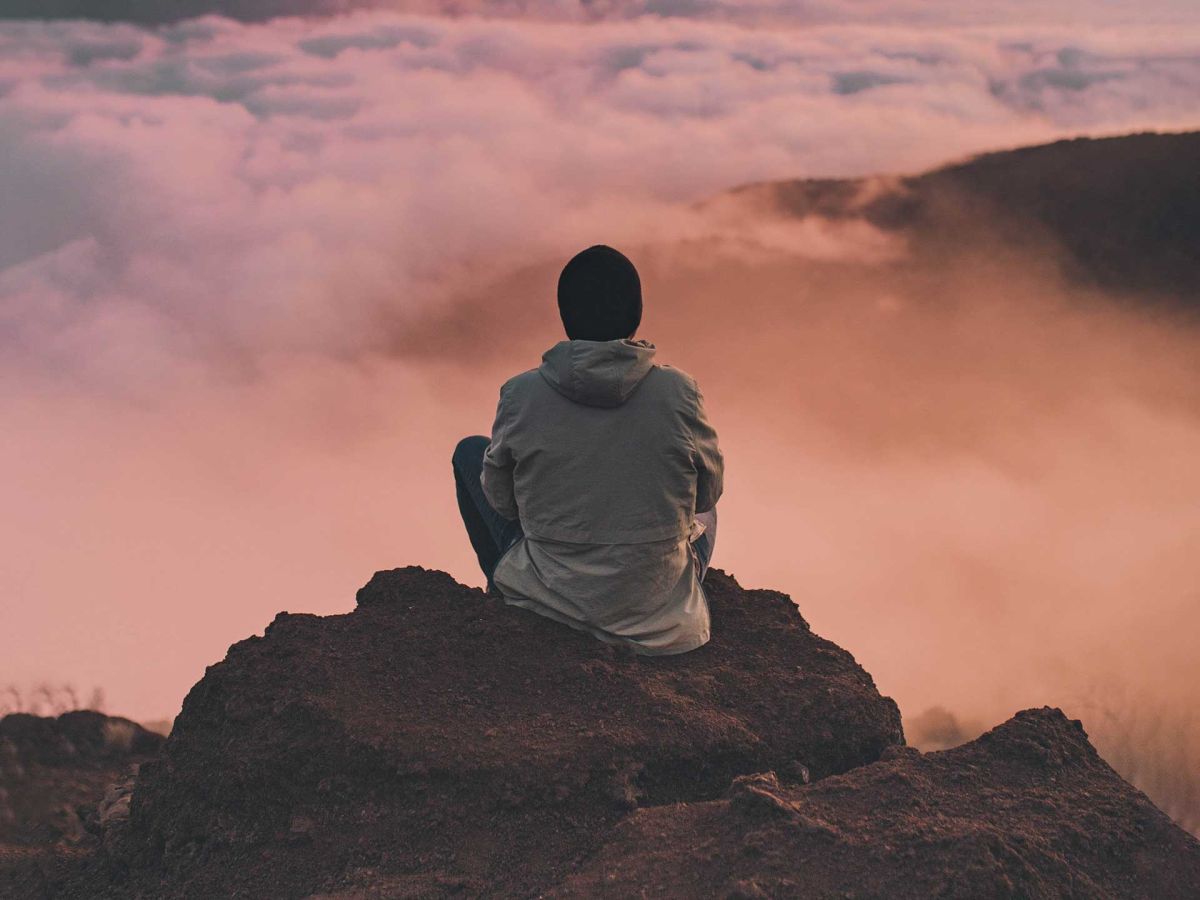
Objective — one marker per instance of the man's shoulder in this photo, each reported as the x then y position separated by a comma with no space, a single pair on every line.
666,380
675,374
522,382
674,379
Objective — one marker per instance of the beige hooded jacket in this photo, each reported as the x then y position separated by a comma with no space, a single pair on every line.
605,458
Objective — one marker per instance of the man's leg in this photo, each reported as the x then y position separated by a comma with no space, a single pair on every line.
707,541
490,533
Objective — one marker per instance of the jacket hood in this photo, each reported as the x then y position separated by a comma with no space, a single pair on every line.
597,373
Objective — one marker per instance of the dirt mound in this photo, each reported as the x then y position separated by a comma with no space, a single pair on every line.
435,742
1027,810
59,779
435,739
50,766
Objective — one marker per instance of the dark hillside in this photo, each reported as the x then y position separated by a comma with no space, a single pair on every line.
1123,213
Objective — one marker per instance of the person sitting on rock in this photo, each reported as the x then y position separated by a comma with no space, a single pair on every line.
594,502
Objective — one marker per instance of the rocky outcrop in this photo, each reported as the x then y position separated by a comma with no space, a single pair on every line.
58,780
436,739
49,767
1027,810
434,742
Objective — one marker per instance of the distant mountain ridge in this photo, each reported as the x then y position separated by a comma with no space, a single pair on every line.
1123,212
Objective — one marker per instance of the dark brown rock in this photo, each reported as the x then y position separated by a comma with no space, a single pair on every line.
437,734
436,743
50,766
1027,810
58,779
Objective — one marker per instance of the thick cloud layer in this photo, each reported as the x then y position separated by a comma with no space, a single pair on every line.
222,191
255,280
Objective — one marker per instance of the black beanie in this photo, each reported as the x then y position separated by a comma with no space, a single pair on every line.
599,296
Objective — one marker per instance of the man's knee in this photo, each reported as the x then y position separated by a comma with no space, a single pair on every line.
469,452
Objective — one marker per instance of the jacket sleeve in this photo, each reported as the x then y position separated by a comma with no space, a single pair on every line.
498,464
706,456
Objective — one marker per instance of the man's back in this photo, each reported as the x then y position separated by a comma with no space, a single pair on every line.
605,458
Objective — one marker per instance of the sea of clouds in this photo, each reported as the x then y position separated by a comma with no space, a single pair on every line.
213,190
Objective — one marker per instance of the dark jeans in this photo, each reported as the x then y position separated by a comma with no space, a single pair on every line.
491,534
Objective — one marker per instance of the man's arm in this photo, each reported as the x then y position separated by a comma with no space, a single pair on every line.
706,456
498,465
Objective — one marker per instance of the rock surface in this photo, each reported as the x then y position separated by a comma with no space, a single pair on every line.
1027,810
435,743
50,766
436,738
54,776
